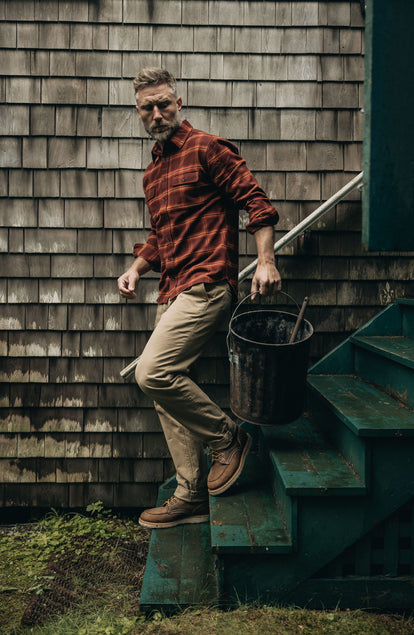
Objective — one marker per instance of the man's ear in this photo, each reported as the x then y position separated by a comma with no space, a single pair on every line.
179,103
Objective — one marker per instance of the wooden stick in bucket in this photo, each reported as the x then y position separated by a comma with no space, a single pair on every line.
298,321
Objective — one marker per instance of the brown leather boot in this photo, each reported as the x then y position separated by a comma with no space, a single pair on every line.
227,464
175,512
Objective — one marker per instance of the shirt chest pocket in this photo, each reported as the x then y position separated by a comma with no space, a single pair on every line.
185,180
184,191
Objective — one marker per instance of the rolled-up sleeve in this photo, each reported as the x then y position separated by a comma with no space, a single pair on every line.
149,251
232,176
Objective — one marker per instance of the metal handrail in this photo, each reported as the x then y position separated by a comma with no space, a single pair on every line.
307,222
287,238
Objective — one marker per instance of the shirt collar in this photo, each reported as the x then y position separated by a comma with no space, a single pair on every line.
176,142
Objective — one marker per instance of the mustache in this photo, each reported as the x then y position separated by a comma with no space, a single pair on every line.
164,131
161,129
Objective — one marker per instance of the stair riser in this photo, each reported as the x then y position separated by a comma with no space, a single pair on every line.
353,448
407,320
180,570
392,468
388,322
395,379
287,504
340,361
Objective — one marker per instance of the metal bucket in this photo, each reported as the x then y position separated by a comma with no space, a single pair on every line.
267,373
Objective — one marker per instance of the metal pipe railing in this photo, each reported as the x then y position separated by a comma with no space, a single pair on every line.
287,238
307,222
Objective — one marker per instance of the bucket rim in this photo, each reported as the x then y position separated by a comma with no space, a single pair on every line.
267,344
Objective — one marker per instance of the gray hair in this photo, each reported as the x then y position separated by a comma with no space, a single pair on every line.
154,76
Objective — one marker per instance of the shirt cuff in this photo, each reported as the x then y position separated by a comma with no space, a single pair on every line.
148,253
263,220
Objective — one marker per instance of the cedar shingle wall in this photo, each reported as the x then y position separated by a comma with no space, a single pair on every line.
281,79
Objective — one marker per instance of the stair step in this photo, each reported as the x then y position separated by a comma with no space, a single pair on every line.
181,568
247,519
386,362
399,349
367,411
308,464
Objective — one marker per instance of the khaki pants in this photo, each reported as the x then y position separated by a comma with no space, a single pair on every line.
188,417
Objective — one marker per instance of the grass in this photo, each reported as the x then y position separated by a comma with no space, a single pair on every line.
71,561
242,621
103,595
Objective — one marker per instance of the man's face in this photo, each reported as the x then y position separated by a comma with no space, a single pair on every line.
159,111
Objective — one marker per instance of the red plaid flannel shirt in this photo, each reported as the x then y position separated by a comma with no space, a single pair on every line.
194,189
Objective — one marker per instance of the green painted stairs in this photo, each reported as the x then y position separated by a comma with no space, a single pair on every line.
323,515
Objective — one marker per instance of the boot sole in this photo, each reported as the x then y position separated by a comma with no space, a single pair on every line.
189,520
233,479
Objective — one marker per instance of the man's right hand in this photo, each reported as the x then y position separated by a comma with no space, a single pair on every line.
127,283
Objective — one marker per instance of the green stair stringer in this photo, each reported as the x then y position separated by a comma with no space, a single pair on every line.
374,571
326,525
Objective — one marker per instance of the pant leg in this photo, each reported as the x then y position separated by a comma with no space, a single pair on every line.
188,455
192,481
188,416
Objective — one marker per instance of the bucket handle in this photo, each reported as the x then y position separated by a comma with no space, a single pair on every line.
230,353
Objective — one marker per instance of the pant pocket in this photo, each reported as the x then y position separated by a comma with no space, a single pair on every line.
218,291
198,291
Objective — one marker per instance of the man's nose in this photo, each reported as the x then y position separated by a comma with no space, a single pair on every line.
156,114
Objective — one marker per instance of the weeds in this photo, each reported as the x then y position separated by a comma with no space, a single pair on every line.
266,620
109,604
63,560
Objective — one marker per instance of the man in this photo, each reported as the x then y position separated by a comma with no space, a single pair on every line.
194,187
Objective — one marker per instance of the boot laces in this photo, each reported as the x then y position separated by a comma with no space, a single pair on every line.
216,455
170,501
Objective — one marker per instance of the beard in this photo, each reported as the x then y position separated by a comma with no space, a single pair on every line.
165,131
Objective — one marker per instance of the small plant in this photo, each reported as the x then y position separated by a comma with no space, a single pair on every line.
97,510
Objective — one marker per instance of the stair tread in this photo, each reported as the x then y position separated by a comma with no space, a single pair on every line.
247,519
308,464
367,411
180,569
395,347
